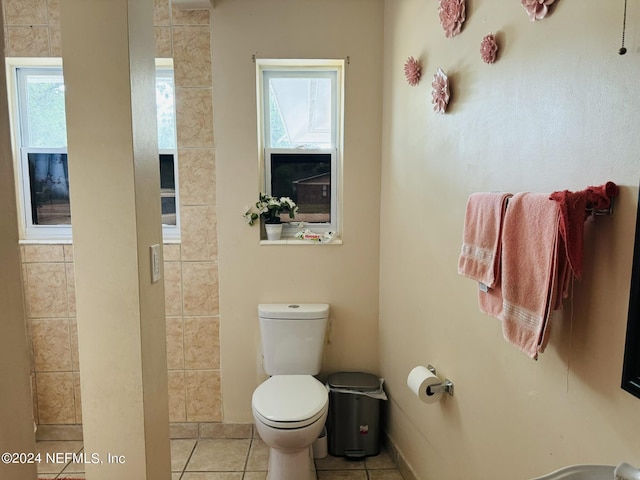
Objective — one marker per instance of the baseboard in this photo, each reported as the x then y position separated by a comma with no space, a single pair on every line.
59,432
176,431
396,455
211,430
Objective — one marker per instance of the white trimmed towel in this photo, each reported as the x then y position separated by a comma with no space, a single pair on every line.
481,247
531,267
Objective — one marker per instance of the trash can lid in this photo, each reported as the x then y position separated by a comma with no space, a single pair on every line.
359,381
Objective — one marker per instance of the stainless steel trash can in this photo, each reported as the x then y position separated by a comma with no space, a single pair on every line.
353,423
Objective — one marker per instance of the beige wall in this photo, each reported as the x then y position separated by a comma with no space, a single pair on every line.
109,71
558,110
16,434
345,276
32,30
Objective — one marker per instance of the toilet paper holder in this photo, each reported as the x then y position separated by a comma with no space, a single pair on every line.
444,387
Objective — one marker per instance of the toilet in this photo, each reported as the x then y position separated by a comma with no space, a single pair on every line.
290,407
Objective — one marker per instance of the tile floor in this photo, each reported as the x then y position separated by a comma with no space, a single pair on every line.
228,459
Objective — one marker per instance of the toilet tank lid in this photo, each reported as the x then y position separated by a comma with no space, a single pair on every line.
293,310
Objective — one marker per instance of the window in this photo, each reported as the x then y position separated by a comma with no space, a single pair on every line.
41,140
300,121
168,149
305,176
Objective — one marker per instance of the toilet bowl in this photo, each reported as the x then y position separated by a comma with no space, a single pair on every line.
289,413
290,407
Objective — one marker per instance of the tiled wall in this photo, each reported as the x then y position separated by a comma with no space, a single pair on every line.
51,327
191,267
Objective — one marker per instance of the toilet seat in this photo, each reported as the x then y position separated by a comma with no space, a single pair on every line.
290,401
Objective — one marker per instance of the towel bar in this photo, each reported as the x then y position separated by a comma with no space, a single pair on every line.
599,212
603,211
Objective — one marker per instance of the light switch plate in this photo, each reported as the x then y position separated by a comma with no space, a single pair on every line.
155,262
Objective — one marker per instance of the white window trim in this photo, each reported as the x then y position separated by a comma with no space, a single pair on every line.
57,233
171,233
337,65
37,232
329,73
289,229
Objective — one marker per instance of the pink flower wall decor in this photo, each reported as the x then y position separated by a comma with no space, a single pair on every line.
412,71
489,48
440,94
536,9
452,16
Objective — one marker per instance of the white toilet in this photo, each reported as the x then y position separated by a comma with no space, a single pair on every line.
290,408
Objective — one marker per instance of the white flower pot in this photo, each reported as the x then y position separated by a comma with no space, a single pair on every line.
274,230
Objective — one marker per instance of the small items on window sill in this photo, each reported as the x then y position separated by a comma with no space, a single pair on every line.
307,234
306,237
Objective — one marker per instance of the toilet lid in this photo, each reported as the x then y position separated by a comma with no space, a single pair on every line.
290,399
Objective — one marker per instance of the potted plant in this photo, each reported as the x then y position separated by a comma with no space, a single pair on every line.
269,209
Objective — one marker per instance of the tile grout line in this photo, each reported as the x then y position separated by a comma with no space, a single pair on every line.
246,459
59,475
184,469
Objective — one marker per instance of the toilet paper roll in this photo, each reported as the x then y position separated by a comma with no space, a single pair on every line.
419,379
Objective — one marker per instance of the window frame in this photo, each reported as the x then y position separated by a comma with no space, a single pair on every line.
30,233
304,68
319,227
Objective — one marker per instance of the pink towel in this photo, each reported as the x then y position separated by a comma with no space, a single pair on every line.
531,265
573,213
481,247
480,254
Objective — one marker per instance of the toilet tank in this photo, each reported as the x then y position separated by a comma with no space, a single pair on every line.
293,337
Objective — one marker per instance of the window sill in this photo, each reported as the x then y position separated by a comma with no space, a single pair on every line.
68,241
295,241
171,240
46,241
